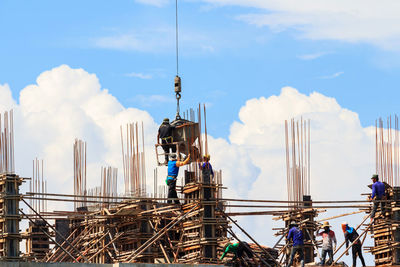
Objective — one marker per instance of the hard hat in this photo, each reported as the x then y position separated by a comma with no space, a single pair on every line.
294,223
326,224
166,120
375,176
207,156
173,157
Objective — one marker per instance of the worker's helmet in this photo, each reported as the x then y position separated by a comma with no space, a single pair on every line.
292,223
375,176
172,156
166,120
207,156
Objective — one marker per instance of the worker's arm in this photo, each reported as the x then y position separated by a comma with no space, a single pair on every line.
373,190
182,163
158,138
226,251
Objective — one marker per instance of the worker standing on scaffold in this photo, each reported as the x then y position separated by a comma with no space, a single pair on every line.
165,134
173,170
296,235
206,166
378,193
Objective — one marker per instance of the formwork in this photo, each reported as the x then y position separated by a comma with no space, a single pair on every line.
386,231
205,226
37,242
10,217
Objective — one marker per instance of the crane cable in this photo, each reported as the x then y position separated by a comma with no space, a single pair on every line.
176,37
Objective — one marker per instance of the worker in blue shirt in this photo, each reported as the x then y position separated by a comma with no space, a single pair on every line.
378,193
296,235
173,170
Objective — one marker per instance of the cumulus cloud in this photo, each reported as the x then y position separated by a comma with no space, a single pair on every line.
62,105
368,21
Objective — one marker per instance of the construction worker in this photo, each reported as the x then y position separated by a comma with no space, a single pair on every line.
296,235
207,165
350,234
165,134
378,193
173,170
328,237
238,249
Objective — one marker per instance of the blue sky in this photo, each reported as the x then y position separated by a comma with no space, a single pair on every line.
224,60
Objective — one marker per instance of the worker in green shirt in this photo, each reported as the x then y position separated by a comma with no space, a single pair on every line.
237,248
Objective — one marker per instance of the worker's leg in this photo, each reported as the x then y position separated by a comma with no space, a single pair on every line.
375,207
165,147
301,255
354,252
323,255
172,191
330,254
383,210
359,253
292,253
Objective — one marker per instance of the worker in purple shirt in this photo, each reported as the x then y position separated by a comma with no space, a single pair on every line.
378,193
296,235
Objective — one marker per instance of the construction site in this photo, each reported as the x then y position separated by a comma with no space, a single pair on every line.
187,220
193,227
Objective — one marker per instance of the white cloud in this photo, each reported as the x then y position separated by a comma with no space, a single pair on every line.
67,103
369,21
154,40
332,76
157,3
312,56
157,39
139,75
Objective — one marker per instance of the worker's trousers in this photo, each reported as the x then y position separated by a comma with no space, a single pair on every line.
356,251
172,191
376,203
166,146
330,254
297,249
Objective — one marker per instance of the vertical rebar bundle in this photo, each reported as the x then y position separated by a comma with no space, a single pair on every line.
109,182
7,143
80,173
133,159
387,155
297,139
38,185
